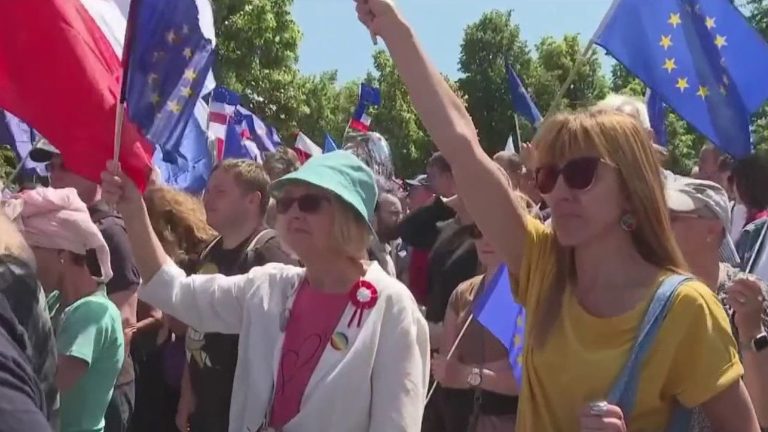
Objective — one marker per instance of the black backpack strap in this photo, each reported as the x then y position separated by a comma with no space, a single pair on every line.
253,256
207,250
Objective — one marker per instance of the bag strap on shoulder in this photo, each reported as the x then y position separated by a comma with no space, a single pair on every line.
624,391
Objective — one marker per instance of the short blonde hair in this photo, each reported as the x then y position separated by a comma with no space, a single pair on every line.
351,234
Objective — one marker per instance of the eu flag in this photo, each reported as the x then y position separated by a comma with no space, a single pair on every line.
701,56
497,310
169,55
521,100
657,115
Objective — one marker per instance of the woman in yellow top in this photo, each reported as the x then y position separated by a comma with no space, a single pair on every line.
587,282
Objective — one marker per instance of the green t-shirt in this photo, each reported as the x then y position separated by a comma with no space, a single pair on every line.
91,330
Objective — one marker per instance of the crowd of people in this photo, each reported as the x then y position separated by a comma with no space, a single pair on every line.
321,297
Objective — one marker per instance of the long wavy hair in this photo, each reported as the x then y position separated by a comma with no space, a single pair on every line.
620,140
178,220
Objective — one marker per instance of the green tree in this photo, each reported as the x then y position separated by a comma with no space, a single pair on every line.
257,53
623,82
758,16
7,163
397,120
326,107
554,62
486,45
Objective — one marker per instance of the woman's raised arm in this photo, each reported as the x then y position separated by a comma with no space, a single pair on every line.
484,187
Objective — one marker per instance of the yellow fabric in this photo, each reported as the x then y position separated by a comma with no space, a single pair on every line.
693,359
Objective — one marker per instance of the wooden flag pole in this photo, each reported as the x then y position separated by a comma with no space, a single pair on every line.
450,353
119,116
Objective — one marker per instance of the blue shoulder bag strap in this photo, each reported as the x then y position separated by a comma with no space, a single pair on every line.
624,390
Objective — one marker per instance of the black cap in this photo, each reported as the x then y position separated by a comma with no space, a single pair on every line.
43,152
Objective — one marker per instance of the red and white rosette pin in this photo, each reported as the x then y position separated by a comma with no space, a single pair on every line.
363,296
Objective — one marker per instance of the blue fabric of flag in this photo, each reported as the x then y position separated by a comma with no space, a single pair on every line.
330,145
521,101
657,114
497,310
261,133
369,96
17,134
225,96
192,162
701,56
233,144
169,57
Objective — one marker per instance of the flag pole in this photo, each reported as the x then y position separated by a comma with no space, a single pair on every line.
119,115
450,353
586,52
517,131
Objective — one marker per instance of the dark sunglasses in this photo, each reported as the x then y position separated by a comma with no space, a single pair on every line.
578,174
308,203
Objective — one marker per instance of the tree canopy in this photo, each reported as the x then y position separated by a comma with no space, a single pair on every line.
258,45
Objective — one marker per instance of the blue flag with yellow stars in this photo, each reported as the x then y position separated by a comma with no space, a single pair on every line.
169,54
702,58
496,309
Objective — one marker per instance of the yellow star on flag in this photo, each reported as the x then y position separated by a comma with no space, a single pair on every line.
682,84
666,41
520,360
154,98
669,65
170,36
722,89
184,29
710,23
674,19
703,92
190,74
157,55
720,41
518,340
174,107
187,53
186,91
520,321
698,8
152,78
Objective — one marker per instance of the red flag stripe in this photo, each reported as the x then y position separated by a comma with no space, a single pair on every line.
67,90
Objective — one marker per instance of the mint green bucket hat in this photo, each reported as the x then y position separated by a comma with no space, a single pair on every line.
341,173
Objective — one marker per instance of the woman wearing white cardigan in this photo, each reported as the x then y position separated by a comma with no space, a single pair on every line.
338,346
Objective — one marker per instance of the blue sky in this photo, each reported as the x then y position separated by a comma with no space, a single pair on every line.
334,39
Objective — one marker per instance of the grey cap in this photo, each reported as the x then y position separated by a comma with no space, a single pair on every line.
43,151
706,199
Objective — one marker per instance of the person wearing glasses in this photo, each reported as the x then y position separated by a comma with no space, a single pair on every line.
587,282
336,346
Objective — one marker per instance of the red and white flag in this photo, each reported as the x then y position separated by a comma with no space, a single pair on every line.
305,148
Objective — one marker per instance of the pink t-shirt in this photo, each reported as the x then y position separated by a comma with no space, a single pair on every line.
314,317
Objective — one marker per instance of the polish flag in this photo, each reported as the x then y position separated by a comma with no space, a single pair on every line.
305,148
60,71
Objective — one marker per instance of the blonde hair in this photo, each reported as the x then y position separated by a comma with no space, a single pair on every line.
621,141
351,234
12,242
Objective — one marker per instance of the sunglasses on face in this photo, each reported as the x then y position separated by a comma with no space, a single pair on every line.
578,174
308,203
